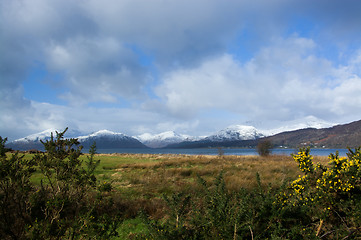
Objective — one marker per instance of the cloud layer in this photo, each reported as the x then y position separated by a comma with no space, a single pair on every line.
190,66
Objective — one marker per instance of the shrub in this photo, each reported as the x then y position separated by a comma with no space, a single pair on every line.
332,194
67,203
264,147
220,152
15,189
217,213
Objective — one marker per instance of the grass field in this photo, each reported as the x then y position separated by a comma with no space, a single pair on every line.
156,174
153,173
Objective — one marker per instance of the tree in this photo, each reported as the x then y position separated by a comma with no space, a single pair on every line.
264,147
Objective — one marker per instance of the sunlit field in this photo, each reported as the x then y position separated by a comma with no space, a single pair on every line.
152,175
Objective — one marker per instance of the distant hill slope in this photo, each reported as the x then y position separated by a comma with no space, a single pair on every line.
340,136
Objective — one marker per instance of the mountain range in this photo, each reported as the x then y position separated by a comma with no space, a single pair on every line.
314,134
104,139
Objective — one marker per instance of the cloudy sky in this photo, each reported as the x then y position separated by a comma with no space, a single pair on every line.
192,66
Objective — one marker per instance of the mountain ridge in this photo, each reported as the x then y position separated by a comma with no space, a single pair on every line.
337,136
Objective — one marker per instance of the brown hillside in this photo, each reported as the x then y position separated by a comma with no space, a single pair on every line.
340,136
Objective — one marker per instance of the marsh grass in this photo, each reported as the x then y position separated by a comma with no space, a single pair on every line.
158,173
151,175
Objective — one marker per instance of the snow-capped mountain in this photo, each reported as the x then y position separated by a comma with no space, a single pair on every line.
236,133
163,139
44,135
101,133
33,141
104,140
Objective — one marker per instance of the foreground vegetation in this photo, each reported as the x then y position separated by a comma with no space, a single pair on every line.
63,194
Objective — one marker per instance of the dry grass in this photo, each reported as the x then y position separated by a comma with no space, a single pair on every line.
149,176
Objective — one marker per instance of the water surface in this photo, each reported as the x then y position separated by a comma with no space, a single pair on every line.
215,151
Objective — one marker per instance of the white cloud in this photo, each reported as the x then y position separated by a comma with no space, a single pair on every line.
283,81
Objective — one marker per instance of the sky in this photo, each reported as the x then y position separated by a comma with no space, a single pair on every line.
190,66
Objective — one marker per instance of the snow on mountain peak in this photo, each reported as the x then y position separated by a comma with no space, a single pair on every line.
38,136
168,134
162,139
161,136
101,133
236,132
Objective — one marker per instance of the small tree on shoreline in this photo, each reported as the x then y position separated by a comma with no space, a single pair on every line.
264,147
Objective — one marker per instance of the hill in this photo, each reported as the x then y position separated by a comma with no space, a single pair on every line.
340,136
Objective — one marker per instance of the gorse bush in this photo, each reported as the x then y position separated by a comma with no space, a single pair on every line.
67,203
332,194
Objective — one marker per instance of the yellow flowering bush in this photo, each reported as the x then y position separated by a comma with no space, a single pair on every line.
331,192
304,160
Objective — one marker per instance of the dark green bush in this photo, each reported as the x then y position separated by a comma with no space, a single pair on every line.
67,204
216,213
